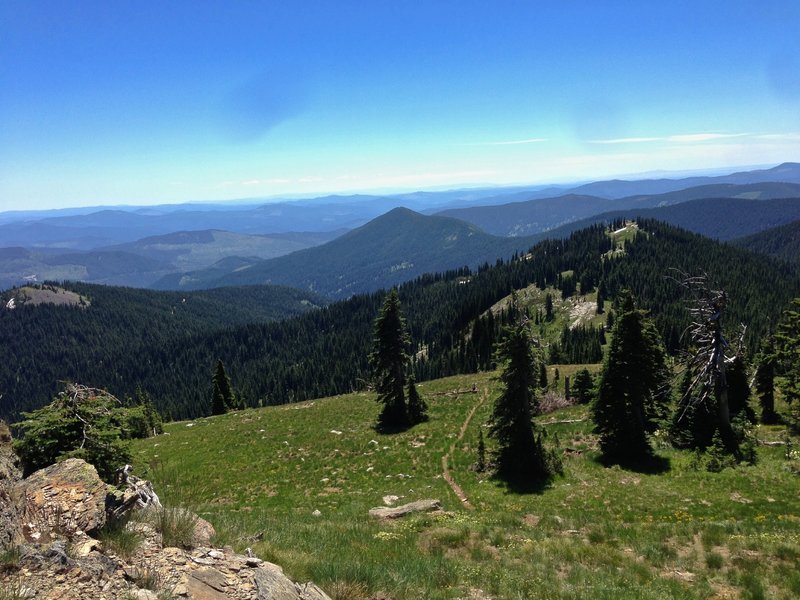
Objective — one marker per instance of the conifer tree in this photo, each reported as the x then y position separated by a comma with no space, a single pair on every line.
787,341
222,397
542,374
694,421
519,455
80,422
388,362
601,299
582,386
765,383
417,407
634,387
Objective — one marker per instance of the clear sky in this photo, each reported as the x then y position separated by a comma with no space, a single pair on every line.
143,102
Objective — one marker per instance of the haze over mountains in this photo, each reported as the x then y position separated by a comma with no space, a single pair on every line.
298,242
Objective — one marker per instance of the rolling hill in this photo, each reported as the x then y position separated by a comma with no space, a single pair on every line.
387,251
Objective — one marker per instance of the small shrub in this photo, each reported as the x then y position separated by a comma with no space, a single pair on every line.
9,558
753,588
552,401
176,526
148,578
718,456
713,535
348,590
714,560
119,538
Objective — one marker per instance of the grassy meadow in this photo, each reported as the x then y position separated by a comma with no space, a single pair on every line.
295,483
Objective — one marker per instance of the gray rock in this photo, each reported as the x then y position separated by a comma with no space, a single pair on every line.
388,512
61,500
272,584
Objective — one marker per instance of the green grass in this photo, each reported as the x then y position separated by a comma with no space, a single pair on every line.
596,532
120,539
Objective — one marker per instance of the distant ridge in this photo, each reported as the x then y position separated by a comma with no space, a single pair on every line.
721,219
788,172
534,216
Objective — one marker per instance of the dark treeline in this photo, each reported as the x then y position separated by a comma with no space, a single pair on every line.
324,352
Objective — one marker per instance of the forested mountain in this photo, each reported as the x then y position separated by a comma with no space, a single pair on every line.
780,242
387,251
324,352
539,215
43,343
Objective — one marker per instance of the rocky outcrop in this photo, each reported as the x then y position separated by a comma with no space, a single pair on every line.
61,500
395,512
51,519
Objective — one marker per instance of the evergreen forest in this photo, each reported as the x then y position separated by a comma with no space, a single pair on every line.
167,344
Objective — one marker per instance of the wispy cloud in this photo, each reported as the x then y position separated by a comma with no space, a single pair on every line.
681,138
628,140
509,142
705,137
789,137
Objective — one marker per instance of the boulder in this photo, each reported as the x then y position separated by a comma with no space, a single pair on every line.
203,532
395,512
61,500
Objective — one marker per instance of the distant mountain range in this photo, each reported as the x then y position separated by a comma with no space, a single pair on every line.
209,245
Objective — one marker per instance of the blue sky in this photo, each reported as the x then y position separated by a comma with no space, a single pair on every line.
150,102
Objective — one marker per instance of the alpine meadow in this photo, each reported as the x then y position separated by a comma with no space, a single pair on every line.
399,301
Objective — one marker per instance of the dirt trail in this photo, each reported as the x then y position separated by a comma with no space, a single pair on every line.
446,458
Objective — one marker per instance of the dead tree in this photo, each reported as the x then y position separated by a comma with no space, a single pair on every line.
710,353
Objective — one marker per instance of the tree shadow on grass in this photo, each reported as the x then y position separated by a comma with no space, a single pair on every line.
523,486
652,464
390,429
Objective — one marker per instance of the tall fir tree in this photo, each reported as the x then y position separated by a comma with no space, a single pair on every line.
519,455
764,382
787,342
634,387
222,396
388,361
